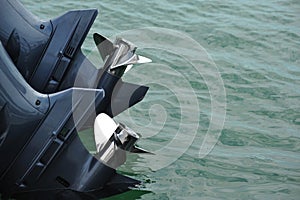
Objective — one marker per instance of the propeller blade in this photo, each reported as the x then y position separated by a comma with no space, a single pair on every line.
128,68
103,128
136,149
126,95
142,60
104,45
135,59
129,64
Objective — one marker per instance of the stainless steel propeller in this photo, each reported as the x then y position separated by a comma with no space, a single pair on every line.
119,56
113,140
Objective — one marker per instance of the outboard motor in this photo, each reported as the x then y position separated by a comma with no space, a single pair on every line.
49,91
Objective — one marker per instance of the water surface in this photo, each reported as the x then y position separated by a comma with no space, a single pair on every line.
255,46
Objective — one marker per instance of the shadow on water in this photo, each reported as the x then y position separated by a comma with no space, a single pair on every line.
69,194
130,195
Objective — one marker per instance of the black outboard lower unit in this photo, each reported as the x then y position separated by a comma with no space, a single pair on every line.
49,91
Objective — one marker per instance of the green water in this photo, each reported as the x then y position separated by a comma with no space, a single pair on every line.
255,46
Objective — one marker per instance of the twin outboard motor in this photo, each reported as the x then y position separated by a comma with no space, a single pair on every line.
49,91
